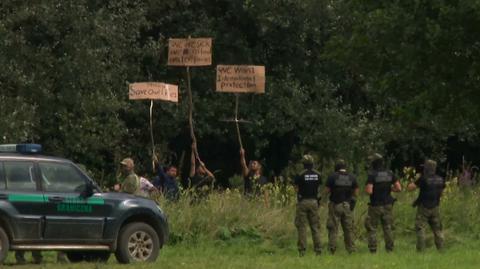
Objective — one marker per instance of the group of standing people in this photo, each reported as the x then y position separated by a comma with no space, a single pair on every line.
342,189
200,178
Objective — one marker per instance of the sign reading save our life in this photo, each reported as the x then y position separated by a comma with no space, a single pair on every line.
241,78
190,51
153,91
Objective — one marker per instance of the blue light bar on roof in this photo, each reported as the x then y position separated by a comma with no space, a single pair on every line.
21,148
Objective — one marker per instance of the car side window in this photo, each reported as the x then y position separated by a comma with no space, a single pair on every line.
61,177
19,176
2,177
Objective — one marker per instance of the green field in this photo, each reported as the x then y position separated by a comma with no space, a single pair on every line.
263,255
228,231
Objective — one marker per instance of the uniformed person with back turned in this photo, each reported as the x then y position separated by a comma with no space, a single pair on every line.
306,185
428,204
380,184
343,189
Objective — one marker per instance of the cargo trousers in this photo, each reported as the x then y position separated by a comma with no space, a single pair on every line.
340,214
384,215
307,213
428,217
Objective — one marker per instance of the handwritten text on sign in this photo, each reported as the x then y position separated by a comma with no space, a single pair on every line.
241,78
153,90
190,52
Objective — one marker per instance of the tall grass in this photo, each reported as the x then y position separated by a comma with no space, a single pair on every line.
228,215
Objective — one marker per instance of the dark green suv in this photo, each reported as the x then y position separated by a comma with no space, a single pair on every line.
48,203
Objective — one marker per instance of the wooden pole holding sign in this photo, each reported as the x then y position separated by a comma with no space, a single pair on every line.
236,121
190,52
153,91
190,114
240,79
151,135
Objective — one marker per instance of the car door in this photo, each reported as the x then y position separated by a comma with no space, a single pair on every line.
25,200
69,217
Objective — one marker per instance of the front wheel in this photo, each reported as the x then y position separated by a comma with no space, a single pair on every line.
4,245
137,242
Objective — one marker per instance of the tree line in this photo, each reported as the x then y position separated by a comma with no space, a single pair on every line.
344,79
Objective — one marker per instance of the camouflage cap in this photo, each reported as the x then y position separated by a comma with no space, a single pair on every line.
340,164
128,162
430,167
307,159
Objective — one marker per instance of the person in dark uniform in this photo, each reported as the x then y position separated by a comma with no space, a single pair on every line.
343,189
252,176
431,188
306,185
380,184
201,180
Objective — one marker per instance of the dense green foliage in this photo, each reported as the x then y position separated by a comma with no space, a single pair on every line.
344,78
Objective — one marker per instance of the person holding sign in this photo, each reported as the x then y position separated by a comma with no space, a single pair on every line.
200,178
252,175
167,180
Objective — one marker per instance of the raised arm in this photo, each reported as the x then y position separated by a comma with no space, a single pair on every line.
243,162
209,174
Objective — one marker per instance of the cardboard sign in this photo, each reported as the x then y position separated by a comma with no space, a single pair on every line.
190,51
241,78
153,91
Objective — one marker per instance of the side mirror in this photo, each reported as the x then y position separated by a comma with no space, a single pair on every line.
88,191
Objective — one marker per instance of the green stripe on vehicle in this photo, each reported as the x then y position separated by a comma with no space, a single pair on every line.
40,198
95,201
32,198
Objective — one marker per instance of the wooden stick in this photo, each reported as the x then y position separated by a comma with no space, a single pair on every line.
190,113
151,135
236,121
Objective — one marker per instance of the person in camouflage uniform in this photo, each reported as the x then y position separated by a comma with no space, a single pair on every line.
343,189
129,182
380,184
428,204
306,185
